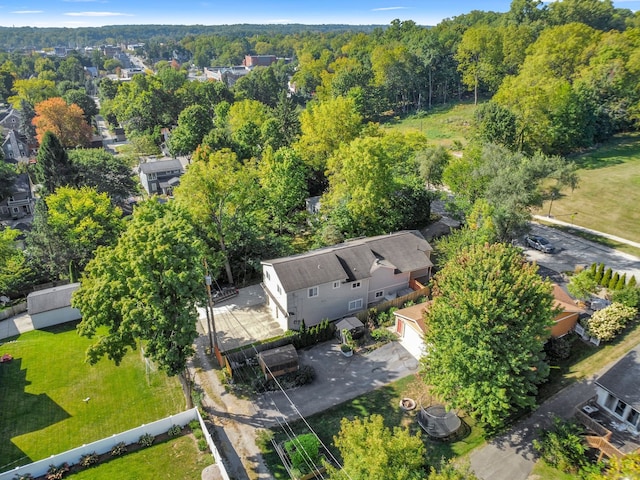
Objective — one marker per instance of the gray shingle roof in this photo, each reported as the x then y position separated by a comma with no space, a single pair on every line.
161,166
50,298
622,379
353,260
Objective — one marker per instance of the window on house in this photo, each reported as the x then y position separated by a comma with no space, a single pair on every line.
620,407
266,274
279,289
633,417
355,285
380,294
336,284
313,292
153,176
355,304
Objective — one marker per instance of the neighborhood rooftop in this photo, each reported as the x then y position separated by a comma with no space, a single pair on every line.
621,378
161,166
352,260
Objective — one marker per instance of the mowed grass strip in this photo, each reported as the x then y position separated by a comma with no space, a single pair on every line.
178,459
446,125
608,195
43,409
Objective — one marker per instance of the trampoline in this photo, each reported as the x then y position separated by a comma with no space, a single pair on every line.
438,422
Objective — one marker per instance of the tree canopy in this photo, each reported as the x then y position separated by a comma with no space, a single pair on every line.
145,290
67,122
486,328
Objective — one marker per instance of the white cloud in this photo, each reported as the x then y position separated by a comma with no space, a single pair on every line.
98,14
384,9
27,11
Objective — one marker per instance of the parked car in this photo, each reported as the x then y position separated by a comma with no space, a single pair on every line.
539,243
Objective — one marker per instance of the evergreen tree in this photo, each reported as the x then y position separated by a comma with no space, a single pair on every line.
53,168
606,278
593,269
622,281
26,128
632,281
599,274
614,281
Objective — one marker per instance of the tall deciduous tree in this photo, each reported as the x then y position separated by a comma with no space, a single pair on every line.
84,220
14,271
32,90
371,450
145,289
106,173
194,123
53,168
485,330
67,122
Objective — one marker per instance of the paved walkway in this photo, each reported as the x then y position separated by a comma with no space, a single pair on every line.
615,238
13,326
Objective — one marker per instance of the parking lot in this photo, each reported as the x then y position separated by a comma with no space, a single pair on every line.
572,251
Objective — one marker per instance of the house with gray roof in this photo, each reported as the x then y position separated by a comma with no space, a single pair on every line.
338,281
160,177
20,202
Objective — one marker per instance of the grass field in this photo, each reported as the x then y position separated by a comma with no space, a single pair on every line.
42,411
177,459
449,125
386,402
608,196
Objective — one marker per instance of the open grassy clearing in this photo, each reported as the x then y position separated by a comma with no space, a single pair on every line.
447,125
43,411
178,458
608,196
386,402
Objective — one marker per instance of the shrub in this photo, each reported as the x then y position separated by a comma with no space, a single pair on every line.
146,440
632,281
118,449
194,424
174,431
383,335
629,296
57,473
89,459
558,348
202,445
622,281
197,432
264,438
562,447
606,278
582,285
303,450
614,281
605,324
599,274
593,269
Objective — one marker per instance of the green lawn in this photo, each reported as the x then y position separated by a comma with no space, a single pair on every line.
42,411
444,125
608,196
177,459
384,401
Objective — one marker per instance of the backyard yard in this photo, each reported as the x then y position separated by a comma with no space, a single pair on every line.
53,401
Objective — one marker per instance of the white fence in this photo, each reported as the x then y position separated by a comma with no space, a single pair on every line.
582,332
40,467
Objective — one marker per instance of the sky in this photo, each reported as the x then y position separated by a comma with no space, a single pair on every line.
95,13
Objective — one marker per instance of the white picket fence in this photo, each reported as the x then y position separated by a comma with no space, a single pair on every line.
105,445
582,332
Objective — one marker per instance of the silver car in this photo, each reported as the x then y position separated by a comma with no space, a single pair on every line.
539,243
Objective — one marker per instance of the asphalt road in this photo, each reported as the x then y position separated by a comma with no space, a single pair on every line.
572,251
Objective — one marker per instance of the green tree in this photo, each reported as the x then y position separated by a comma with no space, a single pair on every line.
582,285
450,471
105,172
283,179
53,168
84,101
32,90
599,274
490,315
14,270
194,123
563,446
145,290
84,220
606,278
26,127
371,450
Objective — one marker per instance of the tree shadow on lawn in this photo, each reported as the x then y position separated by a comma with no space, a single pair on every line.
609,154
22,413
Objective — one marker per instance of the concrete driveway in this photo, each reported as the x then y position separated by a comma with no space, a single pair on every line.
242,320
572,251
338,379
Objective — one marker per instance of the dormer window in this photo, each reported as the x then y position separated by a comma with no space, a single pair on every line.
355,285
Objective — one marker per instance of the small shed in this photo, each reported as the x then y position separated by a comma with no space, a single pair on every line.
278,361
353,325
52,306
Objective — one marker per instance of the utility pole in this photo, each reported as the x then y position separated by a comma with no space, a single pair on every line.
213,340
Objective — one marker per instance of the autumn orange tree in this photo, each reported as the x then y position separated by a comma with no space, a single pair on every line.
66,122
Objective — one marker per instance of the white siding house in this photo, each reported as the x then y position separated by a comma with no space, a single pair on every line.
341,280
